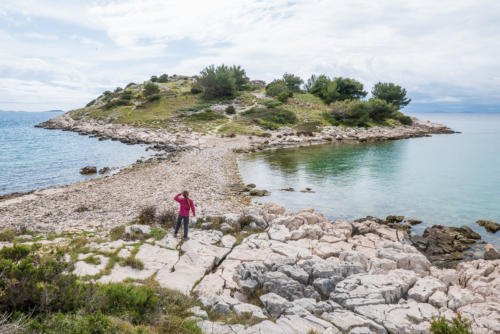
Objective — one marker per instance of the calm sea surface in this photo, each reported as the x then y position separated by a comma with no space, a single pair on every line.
451,180
33,158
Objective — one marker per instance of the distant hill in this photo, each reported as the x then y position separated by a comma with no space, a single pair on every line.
55,110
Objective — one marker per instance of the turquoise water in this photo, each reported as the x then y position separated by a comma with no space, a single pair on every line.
33,158
451,180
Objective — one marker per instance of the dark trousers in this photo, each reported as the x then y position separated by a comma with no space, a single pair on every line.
178,225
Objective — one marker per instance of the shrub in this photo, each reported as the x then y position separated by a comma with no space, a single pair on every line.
338,89
403,119
147,215
230,110
391,93
7,235
240,77
154,78
458,325
163,78
30,282
207,115
130,84
354,113
117,232
90,103
271,103
167,218
196,88
380,109
150,89
275,87
271,118
283,96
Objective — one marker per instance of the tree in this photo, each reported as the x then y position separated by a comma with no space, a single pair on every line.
151,89
276,87
349,89
239,76
293,82
310,83
320,86
391,93
217,82
154,78
163,78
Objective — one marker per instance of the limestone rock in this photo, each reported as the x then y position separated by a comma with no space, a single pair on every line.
275,305
425,287
491,253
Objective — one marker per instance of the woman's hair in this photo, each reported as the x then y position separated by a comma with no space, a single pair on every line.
185,193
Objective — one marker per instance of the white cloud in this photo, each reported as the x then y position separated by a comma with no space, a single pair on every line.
439,50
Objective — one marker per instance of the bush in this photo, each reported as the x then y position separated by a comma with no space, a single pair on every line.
150,89
154,78
230,110
391,93
275,87
271,118
163,78
353,113
272,103
403,119
380,109
117,232
458,325
207,115
196,88
221,81
338,89
167,218
147,215
7,235
283,96
76,324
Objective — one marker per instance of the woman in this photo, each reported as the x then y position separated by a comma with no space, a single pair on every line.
186,205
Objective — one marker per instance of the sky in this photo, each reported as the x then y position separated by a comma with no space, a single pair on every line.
59,54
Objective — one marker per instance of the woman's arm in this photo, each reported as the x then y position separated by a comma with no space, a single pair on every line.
177,197
192,207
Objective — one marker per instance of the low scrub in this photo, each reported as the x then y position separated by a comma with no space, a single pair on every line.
39,288
167,218
271,118
457,325
7,235
207,115
147,215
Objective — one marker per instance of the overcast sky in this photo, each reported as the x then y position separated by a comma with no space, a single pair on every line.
61,54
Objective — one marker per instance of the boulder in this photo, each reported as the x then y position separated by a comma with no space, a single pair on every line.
425,287
88,170
489,225
491,253
145,230
258,192
275,305
458,297
249,310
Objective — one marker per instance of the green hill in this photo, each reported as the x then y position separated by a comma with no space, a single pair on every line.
180,103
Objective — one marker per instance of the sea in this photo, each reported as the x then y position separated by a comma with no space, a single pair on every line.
449,179
34,158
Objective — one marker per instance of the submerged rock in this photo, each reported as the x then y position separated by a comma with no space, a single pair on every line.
88,170
491,253
489,225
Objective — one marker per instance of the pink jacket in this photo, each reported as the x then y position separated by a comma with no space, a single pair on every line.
184,210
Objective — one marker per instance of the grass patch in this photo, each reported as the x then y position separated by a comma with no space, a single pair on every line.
207,115
158,233
117,232
93,260
271,118
7,235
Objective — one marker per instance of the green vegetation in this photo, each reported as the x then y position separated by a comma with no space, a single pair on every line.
181,103
222,81
36,290
458,325
391,93
7,235
158,233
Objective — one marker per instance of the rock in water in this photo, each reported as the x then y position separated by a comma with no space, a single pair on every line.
104,170
88,170
489,225
491,253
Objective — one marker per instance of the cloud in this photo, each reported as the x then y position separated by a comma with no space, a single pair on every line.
439,51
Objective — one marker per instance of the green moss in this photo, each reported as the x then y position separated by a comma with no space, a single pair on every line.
158,233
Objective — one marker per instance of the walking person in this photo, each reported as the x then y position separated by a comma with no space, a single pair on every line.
186,205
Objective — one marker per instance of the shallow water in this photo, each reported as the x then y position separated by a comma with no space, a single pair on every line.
34,158
452,180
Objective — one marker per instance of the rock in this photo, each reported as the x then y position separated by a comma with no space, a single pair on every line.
83,268
489,225
275,305
104,170
248,286
347,320
295,272
425,287
225,227
458,297
145,230
251,186
88,170
394,219
222,308
444,245
414,221
438,299
258,192
288,189
198,312
490,252
249,310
